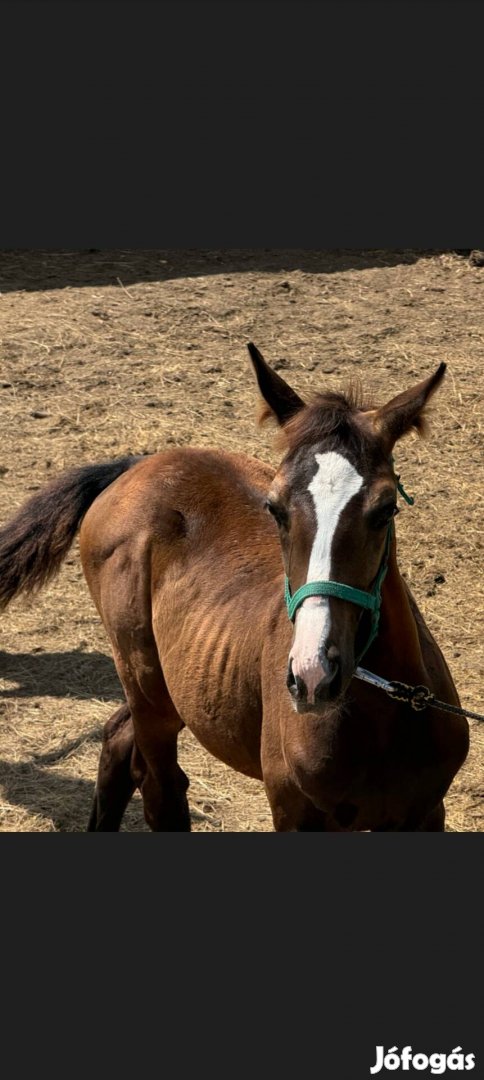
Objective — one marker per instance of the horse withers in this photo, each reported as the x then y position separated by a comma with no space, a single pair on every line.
239,600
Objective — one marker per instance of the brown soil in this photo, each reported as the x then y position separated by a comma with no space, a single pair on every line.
105,353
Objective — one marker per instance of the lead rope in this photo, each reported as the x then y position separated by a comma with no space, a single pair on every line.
419,697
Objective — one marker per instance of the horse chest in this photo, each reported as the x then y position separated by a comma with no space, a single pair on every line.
361,773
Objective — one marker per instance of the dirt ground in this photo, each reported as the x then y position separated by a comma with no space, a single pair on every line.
108,353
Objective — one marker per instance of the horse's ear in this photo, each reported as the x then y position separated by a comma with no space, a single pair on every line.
407,410
280,400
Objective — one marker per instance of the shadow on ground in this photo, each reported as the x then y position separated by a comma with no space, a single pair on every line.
75,674
35,270
62,800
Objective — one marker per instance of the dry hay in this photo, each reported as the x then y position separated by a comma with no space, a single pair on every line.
115,352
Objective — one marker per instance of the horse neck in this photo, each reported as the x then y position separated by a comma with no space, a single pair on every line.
397,648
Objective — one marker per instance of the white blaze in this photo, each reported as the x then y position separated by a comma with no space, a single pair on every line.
332,487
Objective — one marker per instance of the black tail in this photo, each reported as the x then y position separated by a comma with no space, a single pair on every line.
35,542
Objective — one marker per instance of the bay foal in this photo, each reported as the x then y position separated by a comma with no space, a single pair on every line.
195,560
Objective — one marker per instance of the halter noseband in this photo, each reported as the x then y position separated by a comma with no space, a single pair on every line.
369,600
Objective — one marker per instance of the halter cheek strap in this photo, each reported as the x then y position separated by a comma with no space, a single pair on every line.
369,600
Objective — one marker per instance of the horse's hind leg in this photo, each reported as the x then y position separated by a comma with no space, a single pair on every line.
164,787
122,769
156,726
122,591
115,782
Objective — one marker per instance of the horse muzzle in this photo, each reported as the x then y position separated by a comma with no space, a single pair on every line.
313,685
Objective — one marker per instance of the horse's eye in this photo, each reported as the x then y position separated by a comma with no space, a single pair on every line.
382,516
278,513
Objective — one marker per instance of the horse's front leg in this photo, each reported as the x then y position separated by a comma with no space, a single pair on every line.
426,821
291,810
434,821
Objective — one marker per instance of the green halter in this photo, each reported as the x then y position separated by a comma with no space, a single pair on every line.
369,600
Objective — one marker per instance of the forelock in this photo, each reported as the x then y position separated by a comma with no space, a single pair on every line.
332,420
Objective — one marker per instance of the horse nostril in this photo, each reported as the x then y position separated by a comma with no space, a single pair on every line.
332,651
295,685
333,657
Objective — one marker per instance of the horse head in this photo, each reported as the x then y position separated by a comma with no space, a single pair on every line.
334,498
